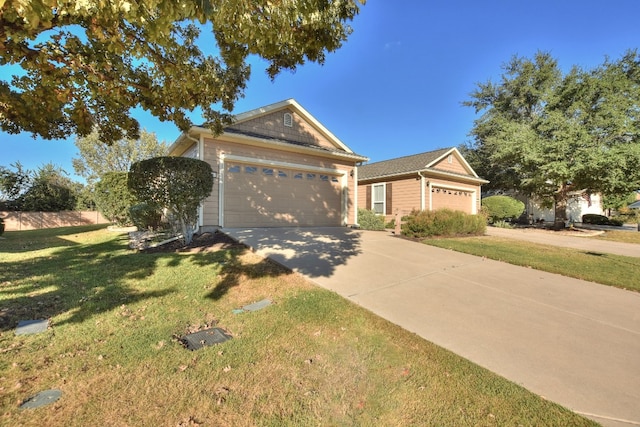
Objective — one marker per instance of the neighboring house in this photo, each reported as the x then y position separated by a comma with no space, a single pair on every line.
427,181
579,203
275,166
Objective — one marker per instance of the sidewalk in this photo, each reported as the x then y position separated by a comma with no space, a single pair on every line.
587,244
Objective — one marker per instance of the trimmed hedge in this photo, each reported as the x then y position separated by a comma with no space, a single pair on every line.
368,220
443,222
502,207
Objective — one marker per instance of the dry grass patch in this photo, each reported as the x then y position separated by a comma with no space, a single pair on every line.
311,358
620,236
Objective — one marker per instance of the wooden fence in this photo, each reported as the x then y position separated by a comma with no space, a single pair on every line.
17,221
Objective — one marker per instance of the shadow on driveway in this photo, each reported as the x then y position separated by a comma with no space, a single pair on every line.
314,252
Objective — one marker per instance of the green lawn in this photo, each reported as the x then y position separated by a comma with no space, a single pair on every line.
614,270
311,358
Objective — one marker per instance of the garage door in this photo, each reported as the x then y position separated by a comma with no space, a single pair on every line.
452,199
263,196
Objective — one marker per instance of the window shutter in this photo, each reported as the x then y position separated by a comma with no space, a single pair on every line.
368,202
388,199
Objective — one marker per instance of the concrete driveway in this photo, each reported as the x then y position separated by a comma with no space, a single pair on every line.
574,342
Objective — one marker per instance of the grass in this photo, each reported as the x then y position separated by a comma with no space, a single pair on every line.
311,358
607,269
620,236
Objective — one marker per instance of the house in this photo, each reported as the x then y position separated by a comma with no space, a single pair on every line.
578,203
427,181
275,166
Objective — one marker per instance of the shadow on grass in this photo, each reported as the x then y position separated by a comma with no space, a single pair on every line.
80,281
33,240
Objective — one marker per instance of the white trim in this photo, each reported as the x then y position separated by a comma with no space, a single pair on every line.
384,198
355,196
460,157
276,163
200,145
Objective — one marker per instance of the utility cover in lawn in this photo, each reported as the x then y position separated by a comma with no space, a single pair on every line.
204,338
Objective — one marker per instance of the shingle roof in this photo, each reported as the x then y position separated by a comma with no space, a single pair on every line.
288,141
400,165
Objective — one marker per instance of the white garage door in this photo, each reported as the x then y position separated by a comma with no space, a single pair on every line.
264,196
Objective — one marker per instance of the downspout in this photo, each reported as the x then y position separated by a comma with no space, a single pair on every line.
422,192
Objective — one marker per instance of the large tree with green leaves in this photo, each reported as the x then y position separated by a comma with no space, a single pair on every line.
98,158
546,133
87,63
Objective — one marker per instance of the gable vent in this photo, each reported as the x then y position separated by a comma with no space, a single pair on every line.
288,120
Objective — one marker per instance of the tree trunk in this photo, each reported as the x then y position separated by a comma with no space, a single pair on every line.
560,216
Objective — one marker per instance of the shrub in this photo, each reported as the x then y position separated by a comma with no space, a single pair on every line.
502,207
368,220
1,226
503,224
176,184
145,216
113,198
600,220
443,222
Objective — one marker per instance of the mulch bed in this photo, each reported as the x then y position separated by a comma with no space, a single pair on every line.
204,242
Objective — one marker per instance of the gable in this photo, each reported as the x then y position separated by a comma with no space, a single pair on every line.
453,162
272,126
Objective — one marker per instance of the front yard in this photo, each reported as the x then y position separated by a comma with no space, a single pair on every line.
310,358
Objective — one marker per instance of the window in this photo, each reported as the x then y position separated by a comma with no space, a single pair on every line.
267,171
298,175
282,174
234,169
311,176
324,178
450,158
334,179
377,201
288,120
250,169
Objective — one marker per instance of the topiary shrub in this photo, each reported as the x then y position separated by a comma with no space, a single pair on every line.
443,222
600,220
502,207
145,216
368,220
177,184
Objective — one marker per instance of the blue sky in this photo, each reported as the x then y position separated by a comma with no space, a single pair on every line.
396,86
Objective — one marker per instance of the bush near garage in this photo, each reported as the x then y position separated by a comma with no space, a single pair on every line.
368,220
502,207
600,220
443,222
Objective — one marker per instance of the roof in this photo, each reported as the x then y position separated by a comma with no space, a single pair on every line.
415,163
340,150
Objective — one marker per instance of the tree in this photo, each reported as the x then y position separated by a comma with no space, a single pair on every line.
87,63
547,134
177,184
97,158
13,184
50,191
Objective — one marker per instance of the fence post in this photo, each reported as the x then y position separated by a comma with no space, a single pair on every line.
398,225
